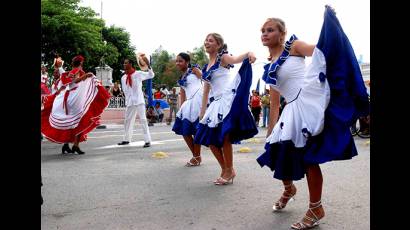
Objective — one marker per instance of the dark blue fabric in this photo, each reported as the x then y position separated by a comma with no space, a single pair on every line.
148,92
239,122
348,98
284,159
185,127
289,162
183,79
348,101
270,74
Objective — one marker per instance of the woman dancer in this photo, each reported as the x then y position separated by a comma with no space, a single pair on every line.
227,119
322,102
75,109
187,117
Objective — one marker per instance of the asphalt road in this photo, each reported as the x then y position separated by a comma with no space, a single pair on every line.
124,187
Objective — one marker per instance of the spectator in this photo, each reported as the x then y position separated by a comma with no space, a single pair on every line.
116,90
173,104
151,116
159,94
265,108
44,74
165,91
256,106
159,111
44,81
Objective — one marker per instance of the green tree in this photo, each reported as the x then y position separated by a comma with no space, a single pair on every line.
160,60
198,56
69,30
119,38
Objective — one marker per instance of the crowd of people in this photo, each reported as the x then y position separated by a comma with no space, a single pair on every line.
216,111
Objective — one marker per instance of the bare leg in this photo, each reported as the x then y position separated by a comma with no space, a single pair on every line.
219,156
288,194
190,142
228,156
315,213
195,150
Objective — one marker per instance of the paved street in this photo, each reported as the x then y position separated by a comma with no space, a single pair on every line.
124,187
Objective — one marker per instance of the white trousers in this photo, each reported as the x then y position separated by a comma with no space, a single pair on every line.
130,115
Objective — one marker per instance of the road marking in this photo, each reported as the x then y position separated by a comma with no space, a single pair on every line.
139,144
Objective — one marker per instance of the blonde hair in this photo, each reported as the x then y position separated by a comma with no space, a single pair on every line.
281,26
219,39
282,29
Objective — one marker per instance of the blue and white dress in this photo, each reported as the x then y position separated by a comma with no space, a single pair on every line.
187,117
323,101
228,111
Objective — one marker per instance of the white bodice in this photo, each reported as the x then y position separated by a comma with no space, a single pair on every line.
193,84
220,81
290,77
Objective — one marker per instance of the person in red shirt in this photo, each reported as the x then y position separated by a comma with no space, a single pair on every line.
256,108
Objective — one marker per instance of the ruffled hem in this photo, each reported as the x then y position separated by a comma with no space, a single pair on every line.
289,162
238,130
88,122
284,159
185,127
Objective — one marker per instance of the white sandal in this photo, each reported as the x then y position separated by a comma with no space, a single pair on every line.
304,224
279,205
196,162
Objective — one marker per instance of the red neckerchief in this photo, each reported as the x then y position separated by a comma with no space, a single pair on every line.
129,78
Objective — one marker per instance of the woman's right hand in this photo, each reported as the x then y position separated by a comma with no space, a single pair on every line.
251,57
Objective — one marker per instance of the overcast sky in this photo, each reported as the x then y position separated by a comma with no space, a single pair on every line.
182,25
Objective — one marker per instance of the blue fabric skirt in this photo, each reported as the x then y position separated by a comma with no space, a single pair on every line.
185,127
239,122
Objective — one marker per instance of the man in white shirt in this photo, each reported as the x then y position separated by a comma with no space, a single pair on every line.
131,83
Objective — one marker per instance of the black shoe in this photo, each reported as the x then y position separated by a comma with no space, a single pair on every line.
77,150
66,149
147,144
124,143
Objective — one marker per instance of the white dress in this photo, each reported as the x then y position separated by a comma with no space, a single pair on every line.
323,100
188,115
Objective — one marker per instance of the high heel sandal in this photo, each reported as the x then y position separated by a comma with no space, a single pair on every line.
223,181
66,149
77,150
196,162
287,195
309,222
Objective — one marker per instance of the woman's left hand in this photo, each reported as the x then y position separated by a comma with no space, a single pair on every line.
251,57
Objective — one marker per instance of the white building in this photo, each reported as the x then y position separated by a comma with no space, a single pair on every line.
104,74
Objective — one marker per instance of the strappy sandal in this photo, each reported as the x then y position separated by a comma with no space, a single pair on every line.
287,196
308,222
223,181
196,162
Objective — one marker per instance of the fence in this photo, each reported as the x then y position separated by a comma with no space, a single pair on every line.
116,102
